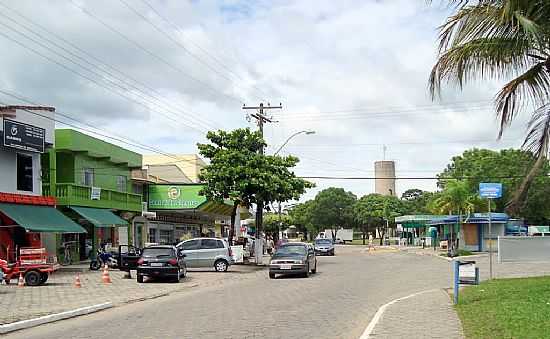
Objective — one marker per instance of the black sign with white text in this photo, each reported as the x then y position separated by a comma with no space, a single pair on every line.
23,136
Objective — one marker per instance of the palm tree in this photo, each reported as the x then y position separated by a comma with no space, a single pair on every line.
456,198
496,39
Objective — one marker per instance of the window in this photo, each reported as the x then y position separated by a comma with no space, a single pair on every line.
24,173
137,188
88,177
121,183
153,235
220,244
165,236
208,244
191,245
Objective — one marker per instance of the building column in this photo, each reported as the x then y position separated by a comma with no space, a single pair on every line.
53,171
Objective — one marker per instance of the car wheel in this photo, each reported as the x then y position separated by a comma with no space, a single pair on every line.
221,265
271,275
32,278
332,253
139,278
178,277
306,274
314,270
95,265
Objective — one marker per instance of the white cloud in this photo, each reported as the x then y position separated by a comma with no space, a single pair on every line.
313,56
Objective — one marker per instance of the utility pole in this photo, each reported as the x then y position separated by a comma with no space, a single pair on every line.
261,119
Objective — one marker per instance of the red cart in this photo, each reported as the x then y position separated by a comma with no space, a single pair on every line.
32,264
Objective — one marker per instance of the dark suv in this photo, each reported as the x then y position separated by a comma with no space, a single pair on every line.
162,261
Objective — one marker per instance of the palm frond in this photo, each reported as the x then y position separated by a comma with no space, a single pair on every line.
480,58
534,84
537,140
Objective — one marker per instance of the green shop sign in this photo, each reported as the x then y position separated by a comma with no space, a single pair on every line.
171,197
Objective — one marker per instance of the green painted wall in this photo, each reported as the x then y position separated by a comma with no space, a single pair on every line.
71,140
105,172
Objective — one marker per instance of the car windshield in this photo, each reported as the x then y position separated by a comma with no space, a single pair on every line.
291,250
157,252
323,242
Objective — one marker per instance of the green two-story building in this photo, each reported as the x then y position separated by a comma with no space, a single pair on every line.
91,180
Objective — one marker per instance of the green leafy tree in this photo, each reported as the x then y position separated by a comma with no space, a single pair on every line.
508,167
238,171
373,210
333,209
301,216
273,222
496,39
417,201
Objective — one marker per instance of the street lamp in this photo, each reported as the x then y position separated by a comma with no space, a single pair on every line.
292,136
278,150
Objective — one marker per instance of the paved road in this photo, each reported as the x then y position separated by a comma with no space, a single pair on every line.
337,302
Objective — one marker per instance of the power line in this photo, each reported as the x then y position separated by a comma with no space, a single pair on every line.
179,44
145,96
118,138
387,114
391,108
101,63
218,61
154,55
431,143
415,178
89,78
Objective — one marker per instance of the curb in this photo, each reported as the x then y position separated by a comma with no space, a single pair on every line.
374,321
23,324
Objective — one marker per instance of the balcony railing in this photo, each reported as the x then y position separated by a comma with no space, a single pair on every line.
78,195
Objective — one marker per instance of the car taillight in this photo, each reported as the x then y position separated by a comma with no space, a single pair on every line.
140,261
173,262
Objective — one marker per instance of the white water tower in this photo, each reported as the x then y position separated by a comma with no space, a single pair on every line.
384,173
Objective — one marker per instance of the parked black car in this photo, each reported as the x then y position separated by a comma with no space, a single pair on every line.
293,258
162,261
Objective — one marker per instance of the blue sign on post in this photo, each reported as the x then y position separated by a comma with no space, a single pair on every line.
490,190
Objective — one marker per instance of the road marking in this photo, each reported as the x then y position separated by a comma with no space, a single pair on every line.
368,331
23,324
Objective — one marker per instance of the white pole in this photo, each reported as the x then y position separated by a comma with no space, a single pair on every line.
490,243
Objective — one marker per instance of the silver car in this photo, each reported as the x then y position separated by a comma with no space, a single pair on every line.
207,252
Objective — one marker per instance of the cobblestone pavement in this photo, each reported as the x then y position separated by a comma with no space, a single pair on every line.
431,313
337,302
60,295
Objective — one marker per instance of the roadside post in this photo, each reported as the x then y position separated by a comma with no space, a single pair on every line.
490,191
465,273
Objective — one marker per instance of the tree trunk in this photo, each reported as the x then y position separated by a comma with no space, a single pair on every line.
382,235
364,237
232,226
517,202
333,235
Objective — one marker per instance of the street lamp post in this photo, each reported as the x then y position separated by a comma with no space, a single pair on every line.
276,152
292,136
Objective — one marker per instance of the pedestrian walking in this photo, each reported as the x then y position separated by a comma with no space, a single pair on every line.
371,242
269,245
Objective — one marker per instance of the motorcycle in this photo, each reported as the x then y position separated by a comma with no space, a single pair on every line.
103,258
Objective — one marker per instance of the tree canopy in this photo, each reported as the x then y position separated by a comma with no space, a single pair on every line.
499,39
332,208
238,171
508,167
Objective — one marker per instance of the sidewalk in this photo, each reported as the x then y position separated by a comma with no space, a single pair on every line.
427,315
60,295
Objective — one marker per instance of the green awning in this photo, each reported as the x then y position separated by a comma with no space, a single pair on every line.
100,217
40,218
216,208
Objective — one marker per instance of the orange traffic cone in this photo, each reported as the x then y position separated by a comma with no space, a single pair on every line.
106,278
77,283
21,282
